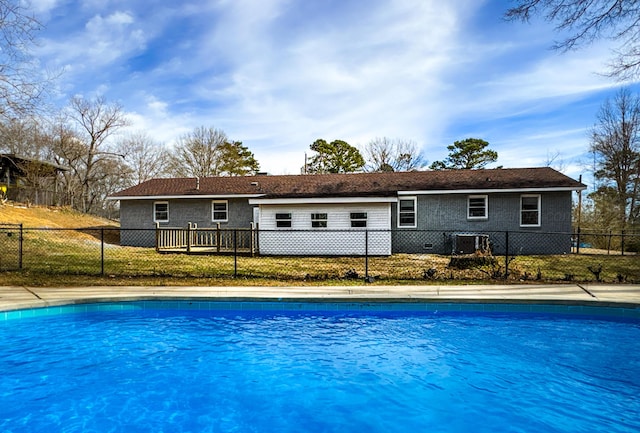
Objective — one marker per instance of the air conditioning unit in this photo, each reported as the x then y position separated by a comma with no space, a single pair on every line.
468,243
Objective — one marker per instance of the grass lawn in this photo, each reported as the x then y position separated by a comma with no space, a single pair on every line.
58,253
69,258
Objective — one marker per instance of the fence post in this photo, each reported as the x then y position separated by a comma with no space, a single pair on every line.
506,255
189,238
366,255
256,240
218,237
235,253
20,240
102,251
252,240
578,241
157,237
622,243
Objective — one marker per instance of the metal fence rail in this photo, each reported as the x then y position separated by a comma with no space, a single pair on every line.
599,242
371,255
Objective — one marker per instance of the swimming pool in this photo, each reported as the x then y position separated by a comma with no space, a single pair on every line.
226,367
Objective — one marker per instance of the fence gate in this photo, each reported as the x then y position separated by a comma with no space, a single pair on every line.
10,247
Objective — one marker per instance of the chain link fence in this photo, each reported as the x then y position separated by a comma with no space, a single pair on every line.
322,255
10,247
609,243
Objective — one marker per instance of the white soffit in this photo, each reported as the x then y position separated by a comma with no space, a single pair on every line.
323,200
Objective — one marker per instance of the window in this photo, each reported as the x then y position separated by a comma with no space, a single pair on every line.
220,210
530,210
161,212
318,220
283,220
477,207
358,219
407,212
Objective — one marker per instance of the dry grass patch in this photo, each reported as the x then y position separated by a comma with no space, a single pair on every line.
49,217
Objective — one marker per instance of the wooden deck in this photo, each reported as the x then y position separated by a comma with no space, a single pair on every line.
204,251
193,240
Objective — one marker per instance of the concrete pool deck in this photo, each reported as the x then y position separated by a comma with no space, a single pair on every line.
628,296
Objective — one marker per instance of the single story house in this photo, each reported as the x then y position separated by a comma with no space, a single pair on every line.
330,214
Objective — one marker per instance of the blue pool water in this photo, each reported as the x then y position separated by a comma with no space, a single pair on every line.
168,370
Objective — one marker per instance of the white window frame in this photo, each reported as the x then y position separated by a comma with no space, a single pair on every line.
155,212
319,220
486,207
539,209
285,220
213,211
358,220
415,213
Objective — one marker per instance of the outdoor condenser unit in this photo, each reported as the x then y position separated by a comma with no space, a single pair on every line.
470,243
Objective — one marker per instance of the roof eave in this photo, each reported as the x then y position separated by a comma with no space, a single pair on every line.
493,190
183,196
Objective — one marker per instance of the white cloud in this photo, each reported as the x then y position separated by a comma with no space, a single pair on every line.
116,19
278,74
154,117
556,76
103,40
41,7
159,108
108,38
379,76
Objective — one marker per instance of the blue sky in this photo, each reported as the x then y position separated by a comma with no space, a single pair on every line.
279,74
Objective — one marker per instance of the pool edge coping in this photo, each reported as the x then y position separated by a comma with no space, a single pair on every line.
42,304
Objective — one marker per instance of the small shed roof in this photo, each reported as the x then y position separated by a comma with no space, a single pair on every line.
16,163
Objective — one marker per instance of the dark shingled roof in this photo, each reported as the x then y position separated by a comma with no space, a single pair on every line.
354,184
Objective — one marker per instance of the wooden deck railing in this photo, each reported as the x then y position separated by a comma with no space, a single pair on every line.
194,240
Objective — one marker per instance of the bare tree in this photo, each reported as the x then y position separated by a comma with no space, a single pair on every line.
615,142
24,137
22,82
590,20
110,175
555,161
68,151
197,154
385,154
82,144
146,158
26,144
